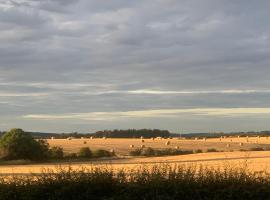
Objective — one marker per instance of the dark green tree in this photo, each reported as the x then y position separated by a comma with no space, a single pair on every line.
17,144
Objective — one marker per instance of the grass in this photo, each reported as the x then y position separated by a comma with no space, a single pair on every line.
163,182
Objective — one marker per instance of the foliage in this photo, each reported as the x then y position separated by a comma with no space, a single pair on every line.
133,133
70,155
211,150
157,152
198,151
161,182
256,149
85,152
102,153
17,144
56,152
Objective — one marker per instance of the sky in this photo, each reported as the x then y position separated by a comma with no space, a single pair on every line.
181,65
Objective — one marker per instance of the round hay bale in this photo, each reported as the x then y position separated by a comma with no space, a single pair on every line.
52,138
176,147
142,146
141,137
84,142
142,141
91,138
167,143
131,146
104,138
204,139
228,145
241,144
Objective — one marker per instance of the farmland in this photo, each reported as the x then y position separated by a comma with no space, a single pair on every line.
233,151
224,168
122,146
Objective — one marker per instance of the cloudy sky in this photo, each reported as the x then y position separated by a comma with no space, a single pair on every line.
182,65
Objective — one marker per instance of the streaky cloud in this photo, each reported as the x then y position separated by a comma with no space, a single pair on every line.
108,116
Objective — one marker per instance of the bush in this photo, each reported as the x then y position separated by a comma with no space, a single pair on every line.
148,152
211,150
135,152
198,151
158,152
256,149
85,152
56,152
71,155
17,144
102,153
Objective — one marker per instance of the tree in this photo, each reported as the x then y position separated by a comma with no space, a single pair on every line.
17,144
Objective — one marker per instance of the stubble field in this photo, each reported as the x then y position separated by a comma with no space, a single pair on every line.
233,152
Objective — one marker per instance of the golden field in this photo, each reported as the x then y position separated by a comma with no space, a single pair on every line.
122,146
231,155
254,161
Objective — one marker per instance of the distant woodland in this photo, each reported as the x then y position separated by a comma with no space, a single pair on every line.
146,133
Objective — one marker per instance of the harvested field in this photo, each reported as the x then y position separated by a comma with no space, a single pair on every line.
122,146
227,156
255,161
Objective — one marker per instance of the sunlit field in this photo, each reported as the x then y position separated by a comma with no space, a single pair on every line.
233,152
123,146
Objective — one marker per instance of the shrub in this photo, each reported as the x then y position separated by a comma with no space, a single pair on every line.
135,152
256,149
158,152
102,153
211,150
148,152
17,144
198,151
56,152
71,155
85,152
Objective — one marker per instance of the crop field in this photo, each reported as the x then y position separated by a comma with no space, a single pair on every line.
233,152
123,146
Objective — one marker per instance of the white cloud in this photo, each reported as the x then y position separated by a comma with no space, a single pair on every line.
179,92
108,116
21,94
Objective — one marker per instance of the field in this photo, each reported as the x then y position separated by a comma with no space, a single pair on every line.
122,146
229,153
234,171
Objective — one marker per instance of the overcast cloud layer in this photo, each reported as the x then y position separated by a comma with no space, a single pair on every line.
182,65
